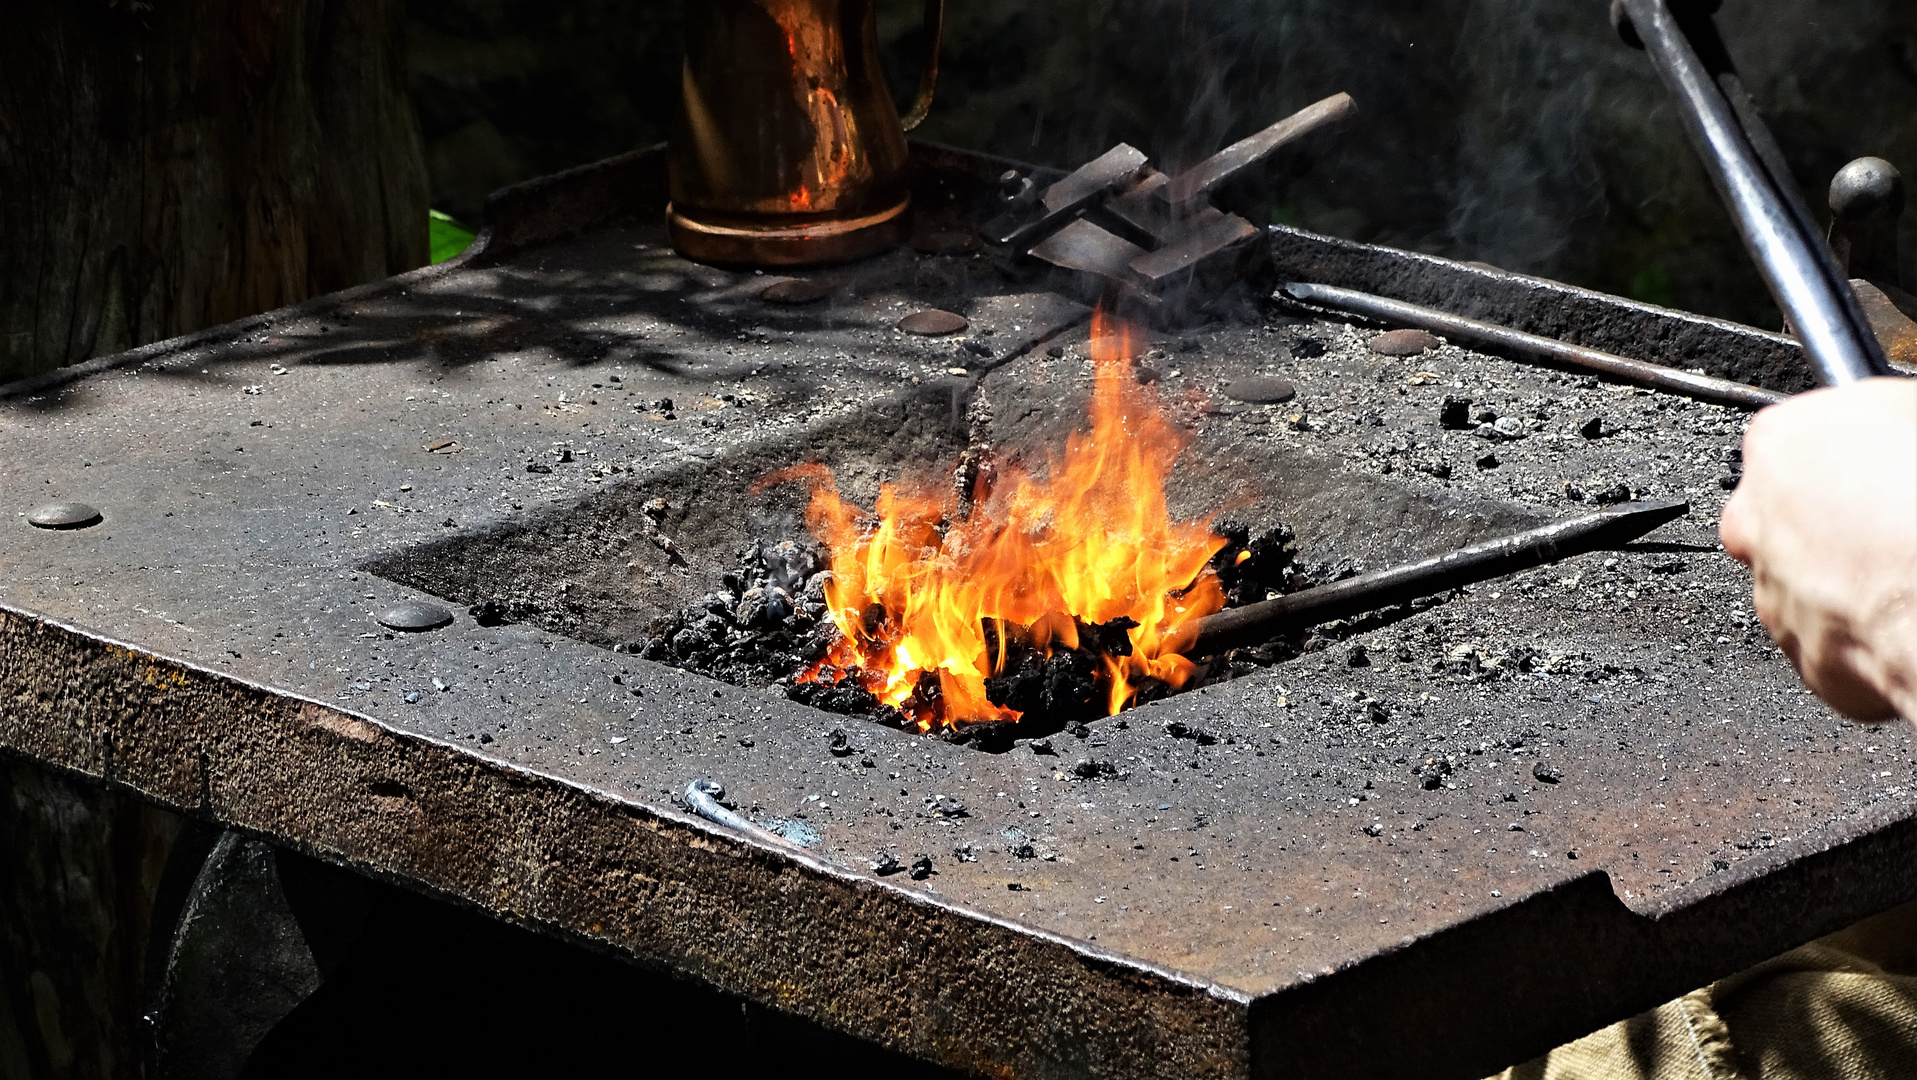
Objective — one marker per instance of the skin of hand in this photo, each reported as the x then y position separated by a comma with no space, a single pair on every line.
1826,518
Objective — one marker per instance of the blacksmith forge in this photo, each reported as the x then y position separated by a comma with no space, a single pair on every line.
1443,839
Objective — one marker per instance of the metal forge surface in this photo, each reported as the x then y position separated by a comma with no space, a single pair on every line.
1647,802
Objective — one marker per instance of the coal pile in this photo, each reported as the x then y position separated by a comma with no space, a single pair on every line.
763,625
766,625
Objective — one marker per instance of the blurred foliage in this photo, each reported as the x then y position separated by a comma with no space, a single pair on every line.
1652,285
446,237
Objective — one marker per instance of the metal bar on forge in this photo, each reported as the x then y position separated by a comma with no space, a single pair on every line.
1202,179
1459,328
1467,565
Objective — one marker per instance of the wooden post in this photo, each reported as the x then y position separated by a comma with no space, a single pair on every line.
167,165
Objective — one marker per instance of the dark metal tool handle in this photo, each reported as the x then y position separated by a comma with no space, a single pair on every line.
929,72
1382,588
1770,216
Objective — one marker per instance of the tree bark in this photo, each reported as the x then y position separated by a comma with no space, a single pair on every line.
167,165
80,870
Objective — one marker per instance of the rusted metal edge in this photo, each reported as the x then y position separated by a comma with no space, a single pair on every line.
629,187
1574,950
1547,308
881,962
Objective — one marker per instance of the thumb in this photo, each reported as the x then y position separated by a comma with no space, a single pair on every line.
1737,528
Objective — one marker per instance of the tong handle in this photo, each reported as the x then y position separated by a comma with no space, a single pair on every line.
1741,157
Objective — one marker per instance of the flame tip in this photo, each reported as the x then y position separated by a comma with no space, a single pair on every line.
1090,542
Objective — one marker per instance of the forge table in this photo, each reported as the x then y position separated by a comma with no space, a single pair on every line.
1437,842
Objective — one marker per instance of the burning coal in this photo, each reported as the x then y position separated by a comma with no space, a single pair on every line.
1057,592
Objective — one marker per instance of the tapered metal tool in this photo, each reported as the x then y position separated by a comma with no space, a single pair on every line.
1262,621
1459,328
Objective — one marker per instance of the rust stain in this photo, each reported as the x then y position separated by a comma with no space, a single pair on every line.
340,724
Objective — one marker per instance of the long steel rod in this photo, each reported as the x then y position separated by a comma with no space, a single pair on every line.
1479,562
1799,271
1459,328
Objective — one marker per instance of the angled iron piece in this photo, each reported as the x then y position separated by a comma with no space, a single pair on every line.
1199,181
1094,181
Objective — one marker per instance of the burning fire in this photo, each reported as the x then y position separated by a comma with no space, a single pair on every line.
921,596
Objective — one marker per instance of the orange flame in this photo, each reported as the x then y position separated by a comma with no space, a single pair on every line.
1092,539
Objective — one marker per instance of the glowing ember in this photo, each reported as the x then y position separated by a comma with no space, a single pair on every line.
930,607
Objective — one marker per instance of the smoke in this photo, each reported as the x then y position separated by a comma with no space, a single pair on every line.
1523,188
1517,132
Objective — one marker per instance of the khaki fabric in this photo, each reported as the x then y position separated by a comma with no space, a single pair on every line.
1842,1007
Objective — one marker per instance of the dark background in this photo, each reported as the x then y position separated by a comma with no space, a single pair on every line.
1515,132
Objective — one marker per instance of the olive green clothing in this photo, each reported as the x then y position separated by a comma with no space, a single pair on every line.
1839,1008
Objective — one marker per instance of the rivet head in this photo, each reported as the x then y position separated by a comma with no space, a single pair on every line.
413,617
1260,390
933,323
64,515
1868,189
796,291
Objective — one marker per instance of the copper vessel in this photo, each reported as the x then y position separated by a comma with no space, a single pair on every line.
787,149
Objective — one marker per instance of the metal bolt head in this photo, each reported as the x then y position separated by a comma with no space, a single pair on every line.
933,323
64,515
1868,189
413,617
1260,390
796,291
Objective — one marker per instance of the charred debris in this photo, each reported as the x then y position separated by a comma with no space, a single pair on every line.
766,625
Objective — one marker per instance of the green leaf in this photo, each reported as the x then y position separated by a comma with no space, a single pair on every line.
445,236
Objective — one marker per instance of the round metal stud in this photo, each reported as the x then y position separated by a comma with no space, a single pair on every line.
795,291
1260,390
1868,189
932,323
1404,342
64,515
413,617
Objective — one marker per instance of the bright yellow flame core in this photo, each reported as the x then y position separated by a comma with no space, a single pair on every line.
1092,539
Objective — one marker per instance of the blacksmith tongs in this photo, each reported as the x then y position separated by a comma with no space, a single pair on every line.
1750,173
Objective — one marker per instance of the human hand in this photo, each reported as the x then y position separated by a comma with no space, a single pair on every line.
1826,518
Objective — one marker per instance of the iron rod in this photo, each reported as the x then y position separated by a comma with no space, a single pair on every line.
1479,562
1459,328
